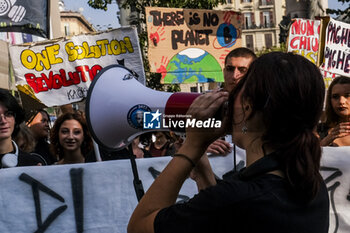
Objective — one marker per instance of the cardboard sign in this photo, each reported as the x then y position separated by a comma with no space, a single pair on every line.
304,38
337,48
59,72
190,45
328,77
100,197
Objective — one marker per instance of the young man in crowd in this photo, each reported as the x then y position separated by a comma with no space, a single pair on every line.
237,63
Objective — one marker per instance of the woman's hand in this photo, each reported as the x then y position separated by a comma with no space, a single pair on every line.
220,147
204,109
339,131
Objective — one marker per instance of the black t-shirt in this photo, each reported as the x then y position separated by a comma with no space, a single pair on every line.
26,159
263,203
42,148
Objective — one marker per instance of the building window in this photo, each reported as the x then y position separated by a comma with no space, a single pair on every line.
195,89
245,1
247,20
66,29
268,40
266,16
266,19
266,2
249,42
229,1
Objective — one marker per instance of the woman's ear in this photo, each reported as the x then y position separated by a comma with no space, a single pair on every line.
247,109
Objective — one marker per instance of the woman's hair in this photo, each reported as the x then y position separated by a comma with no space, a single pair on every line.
289,91
11,104
55,146
331,117
25,138
33,113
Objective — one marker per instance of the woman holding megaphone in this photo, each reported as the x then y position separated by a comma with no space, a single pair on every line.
272,114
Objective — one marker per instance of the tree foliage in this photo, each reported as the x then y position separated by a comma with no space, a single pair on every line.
153,79
281,48
338,12
99,4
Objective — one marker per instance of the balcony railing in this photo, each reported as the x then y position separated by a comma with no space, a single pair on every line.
254,26
266,2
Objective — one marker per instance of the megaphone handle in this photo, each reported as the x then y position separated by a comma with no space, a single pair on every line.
137,182
97,151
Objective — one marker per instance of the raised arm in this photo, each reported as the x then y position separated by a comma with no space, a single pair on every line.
164,190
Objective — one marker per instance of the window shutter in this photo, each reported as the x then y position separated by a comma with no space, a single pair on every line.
252,17
261,19
271,17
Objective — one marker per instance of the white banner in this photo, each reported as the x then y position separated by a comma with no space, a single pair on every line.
60,71
100,197
336,173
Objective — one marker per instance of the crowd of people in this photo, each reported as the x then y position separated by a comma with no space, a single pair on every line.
69,140
31,141
275,112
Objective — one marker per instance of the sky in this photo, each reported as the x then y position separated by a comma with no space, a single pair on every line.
109,18
334,4
95,16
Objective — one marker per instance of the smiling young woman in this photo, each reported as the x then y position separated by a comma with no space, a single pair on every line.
70,139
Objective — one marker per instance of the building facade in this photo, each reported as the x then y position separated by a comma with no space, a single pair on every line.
73,23
308,9
261,19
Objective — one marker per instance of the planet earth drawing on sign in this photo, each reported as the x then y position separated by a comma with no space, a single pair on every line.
193,65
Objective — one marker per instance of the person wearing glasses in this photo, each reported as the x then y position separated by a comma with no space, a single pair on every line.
237,63
11,116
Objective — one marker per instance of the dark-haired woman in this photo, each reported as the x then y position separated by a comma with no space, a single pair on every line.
272,114
11,116
70,139
335,131
39,126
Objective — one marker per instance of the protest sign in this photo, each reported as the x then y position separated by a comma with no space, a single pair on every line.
93,197
335,170
327,77
337,48
59,72
100,197
28,16
190,45
304,38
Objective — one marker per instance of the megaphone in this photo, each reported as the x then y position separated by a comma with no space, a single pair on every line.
119,108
